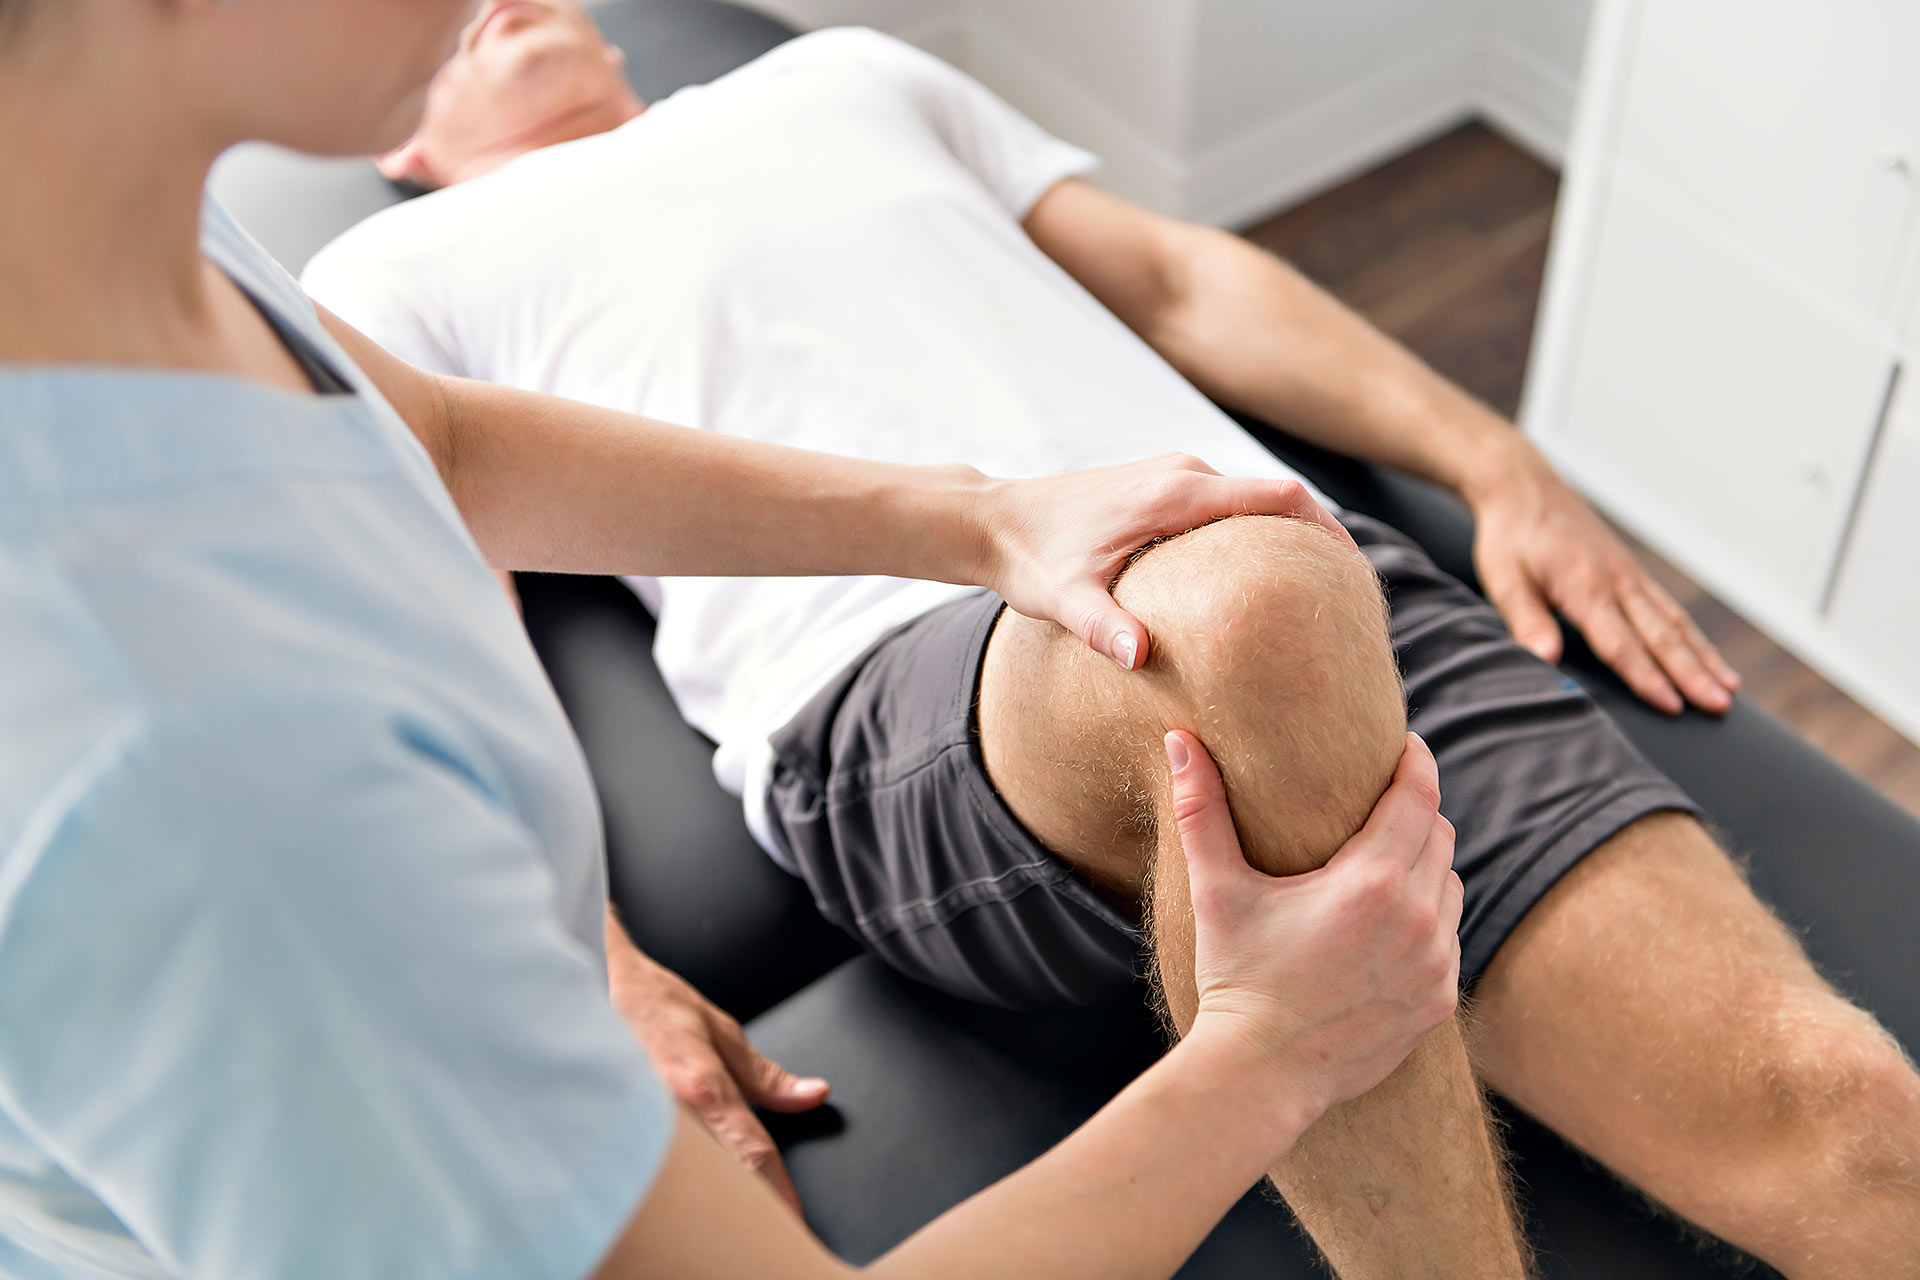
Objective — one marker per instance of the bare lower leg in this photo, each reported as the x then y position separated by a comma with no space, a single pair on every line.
1657,1015
1406,1181
1270,644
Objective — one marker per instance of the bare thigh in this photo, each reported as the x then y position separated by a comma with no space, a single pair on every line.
1063,737
1656,1014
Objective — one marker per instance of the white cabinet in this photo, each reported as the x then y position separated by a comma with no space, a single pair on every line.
1874,594
1789,125
1729,355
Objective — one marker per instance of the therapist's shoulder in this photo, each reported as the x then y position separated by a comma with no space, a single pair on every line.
156,683
185,792
64,697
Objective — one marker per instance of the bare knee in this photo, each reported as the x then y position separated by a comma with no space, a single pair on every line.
1829,1182
1841,1096
1270,641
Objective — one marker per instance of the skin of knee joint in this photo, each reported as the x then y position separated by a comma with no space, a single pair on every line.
1878,1108
1270,642
1841,1102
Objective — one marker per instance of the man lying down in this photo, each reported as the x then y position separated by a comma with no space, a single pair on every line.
849,246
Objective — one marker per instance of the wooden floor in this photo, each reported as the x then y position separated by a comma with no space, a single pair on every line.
1444,249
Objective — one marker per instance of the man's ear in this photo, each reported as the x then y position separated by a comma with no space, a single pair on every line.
406,163
616,57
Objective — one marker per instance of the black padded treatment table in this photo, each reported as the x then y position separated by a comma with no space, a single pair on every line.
934,1099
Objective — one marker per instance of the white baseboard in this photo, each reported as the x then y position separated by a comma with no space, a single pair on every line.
1527,99
1293,156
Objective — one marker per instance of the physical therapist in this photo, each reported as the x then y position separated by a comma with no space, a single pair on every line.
301,884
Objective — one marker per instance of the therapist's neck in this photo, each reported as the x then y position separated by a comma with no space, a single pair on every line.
100,190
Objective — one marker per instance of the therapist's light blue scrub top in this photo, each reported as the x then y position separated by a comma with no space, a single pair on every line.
301,881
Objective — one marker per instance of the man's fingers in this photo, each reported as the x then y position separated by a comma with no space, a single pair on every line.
1715,659
1704,650
752,1146
714,1097
1207,837
1402,821
1526,611
762,1081
1666,635
1619,645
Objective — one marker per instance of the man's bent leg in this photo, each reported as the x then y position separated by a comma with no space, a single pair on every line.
1406,1181
1270,644
1654,1012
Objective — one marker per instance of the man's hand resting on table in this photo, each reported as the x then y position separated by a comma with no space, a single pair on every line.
1540,548
704,1058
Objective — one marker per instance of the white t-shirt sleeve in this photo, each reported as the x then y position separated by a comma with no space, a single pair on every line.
302,1004
1012,156
357,282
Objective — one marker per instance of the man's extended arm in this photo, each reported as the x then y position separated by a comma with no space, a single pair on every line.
1255,335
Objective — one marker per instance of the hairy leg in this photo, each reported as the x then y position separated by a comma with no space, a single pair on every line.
1269,643
1654,1012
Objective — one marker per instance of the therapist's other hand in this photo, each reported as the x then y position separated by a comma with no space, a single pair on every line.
1056,544
704,1058
1337,973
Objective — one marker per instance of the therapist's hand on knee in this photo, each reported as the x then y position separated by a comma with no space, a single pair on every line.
1056,544
1338,971
704,1058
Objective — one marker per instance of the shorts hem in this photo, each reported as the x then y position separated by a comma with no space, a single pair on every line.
1510,902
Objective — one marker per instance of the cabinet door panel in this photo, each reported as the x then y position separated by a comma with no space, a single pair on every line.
1876,601
1735,406
1792,125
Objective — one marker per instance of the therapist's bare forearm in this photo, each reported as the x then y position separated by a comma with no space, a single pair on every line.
1134,1191
1126,1197
551,484
1256,335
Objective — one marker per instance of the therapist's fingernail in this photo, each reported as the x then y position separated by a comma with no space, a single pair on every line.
1177,754
1125,650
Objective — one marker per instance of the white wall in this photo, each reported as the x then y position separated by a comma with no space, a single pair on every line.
1114,76
1262,59
1134,57
1532,75
1292,97
927,23
1225,110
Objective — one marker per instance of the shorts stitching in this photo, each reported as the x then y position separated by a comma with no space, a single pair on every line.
933,911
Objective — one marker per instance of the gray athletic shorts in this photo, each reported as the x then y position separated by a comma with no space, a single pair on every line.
881,796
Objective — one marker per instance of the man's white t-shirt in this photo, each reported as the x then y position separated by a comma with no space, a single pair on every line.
821,249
